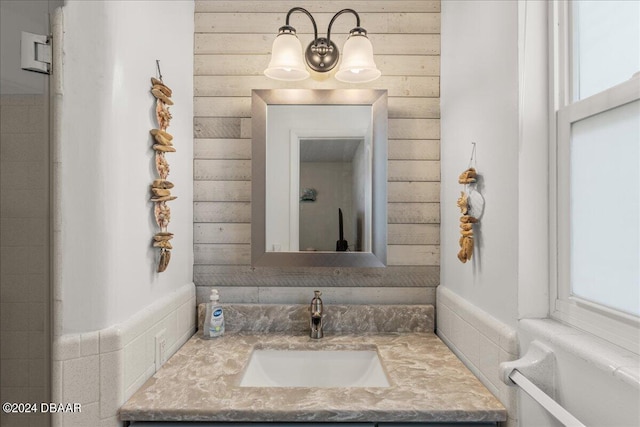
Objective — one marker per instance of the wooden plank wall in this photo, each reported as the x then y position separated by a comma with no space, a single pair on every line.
232,48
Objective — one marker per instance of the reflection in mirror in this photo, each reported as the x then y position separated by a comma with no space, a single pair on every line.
308,141
332,195
317,155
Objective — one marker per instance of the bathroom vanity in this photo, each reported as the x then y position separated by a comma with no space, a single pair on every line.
426,383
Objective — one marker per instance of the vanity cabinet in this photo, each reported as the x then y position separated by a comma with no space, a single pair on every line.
435,424
202,385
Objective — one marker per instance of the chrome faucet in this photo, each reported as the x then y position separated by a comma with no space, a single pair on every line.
316,314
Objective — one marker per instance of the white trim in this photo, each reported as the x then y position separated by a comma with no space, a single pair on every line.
561,51
594,320
554,102
621,364
294,191
612,325
609,99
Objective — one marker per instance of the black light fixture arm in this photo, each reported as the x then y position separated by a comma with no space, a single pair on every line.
338,14
321,54
306,12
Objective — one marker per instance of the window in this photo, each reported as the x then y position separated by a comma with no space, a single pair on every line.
596,181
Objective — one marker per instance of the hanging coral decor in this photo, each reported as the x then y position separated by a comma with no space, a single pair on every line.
161,188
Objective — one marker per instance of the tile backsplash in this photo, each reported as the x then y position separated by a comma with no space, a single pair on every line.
340,319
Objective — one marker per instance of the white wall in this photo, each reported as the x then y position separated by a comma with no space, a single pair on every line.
495,92
479,103
318,222
106,267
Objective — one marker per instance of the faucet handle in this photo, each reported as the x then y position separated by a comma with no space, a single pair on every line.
315,321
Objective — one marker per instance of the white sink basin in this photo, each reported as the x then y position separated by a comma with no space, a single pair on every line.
311,368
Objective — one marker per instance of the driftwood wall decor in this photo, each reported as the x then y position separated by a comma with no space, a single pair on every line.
471,204
466,220
161,187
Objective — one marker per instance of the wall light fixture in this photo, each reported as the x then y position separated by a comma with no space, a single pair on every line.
322,54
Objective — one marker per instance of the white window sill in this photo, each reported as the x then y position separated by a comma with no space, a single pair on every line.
622,364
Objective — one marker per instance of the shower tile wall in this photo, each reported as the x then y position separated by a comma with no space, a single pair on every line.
24,262
232,47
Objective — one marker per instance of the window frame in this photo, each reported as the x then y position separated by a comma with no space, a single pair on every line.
612,325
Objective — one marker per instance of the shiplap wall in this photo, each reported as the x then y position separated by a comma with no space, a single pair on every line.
232,48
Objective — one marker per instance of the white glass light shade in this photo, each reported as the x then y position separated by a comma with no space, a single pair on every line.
286,59
357,64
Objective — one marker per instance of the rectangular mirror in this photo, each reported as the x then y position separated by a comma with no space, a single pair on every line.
319,178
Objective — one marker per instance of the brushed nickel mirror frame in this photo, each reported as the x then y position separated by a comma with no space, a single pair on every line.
260,100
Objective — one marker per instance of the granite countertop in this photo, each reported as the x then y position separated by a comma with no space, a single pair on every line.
201,383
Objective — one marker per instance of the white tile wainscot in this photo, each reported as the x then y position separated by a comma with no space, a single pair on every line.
595,380
481,342
102,369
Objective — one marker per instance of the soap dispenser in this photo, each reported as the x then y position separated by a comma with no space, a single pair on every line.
214,318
